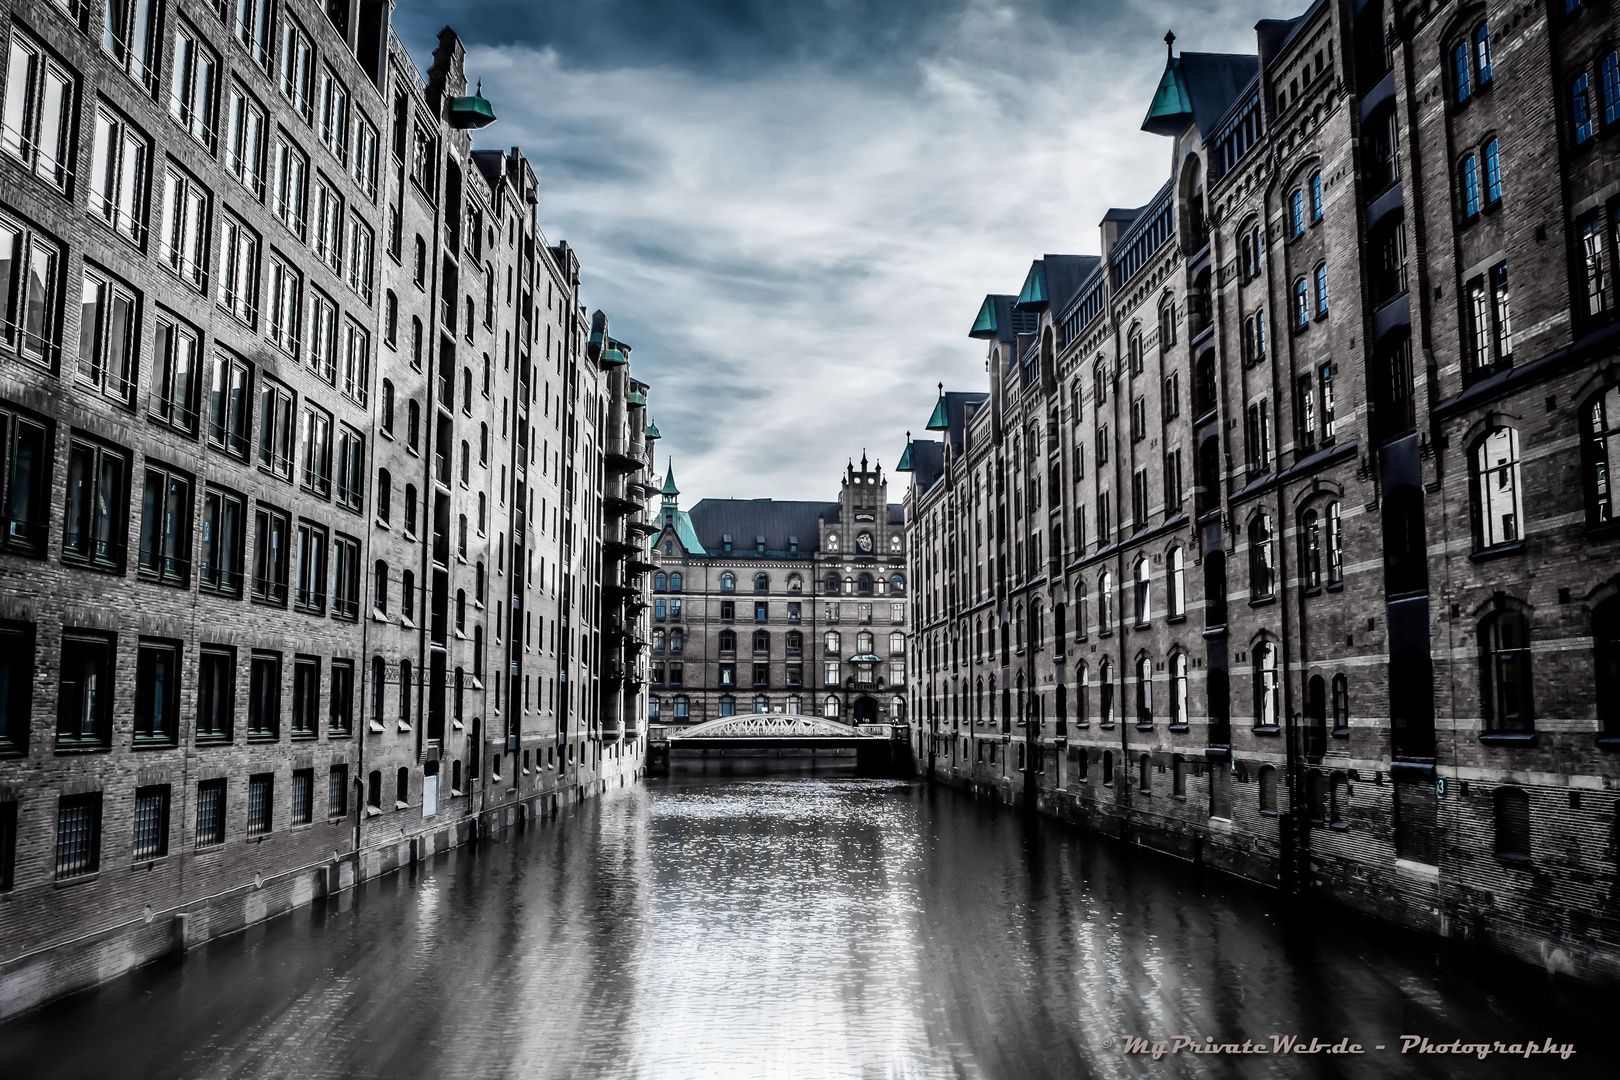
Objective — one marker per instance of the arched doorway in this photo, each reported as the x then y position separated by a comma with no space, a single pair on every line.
866,710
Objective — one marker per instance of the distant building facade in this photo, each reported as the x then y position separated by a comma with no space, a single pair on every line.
305,457
1282,537
772,606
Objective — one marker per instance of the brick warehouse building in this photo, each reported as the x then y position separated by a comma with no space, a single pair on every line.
773,606
303,568
1283,537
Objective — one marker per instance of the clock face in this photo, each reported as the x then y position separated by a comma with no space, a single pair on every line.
864,541
832,541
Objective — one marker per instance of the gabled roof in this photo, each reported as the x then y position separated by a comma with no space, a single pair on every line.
999,320
684,533
1032,297
783,523
927,463
1198,87
1065,274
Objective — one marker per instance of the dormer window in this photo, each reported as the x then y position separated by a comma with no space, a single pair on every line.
725,541
793,545
759,544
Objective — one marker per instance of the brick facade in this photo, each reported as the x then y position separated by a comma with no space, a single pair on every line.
323,351
1336,403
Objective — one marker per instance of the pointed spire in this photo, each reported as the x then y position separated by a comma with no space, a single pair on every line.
670,490
863,460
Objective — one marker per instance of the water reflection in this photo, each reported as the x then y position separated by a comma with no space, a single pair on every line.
791,927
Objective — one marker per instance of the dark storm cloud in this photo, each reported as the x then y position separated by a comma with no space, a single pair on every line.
792,210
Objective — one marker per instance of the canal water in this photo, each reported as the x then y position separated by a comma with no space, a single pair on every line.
801,926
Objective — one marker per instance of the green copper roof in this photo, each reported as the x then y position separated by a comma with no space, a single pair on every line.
636,398
669,481
985,325
905,460
613,358
1172,103
940,421
473,111
651,432
1032,297
687,535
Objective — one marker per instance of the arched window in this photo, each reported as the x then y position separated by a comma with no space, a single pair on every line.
385,496
795,584
1512,806
660,583
1144,579
1505,638
1302,304
863,585
728,582
1133,347
1296,213
1341,706
1339,800
1144,774
1268,790
762,642
675,582
1178,690
1580,108
728,705
1321,290
379,586
1105,603
1082,697
1317,202
1267,689
1018,627
407,594
897,583
1262,558
1108,768
1498,499
1176,589
1462,72
1468,186
388,406
762,583
795,643
1493,172
832,644
658,639
1310,539
1105,690
461,611
1610,73
829,708
1167,332
677,640
728,641
410,511
1482,54
1144,692
466,463
413,425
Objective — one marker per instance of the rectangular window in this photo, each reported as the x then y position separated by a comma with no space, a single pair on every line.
185,228
238,270
289,192
16,687
173,399
306,697
108,329
361,242
191,89
337,791
365,157
1501,310
323,335
351,468
216,694
210,813
303,796
270,556
165,553
356,360
1325,383
29,320
261,803
157,692
310,594
422,158
78,835
222,534
37,124
297,65
276,429
252,29
1596,264
244,139
1172,395
229,385
93,521
85,694
151,822
345,578
118,175
1173,485
24,468
283,307
334,119
340,710
264,696
129,37
328,239
315,451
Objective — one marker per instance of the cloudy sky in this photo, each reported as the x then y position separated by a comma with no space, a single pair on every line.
792,208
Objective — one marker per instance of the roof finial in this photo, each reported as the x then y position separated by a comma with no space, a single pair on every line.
1170,44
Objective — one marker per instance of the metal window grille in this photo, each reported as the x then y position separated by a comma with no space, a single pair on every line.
210,813
303,796
77,824
259,794
337,796
151,822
